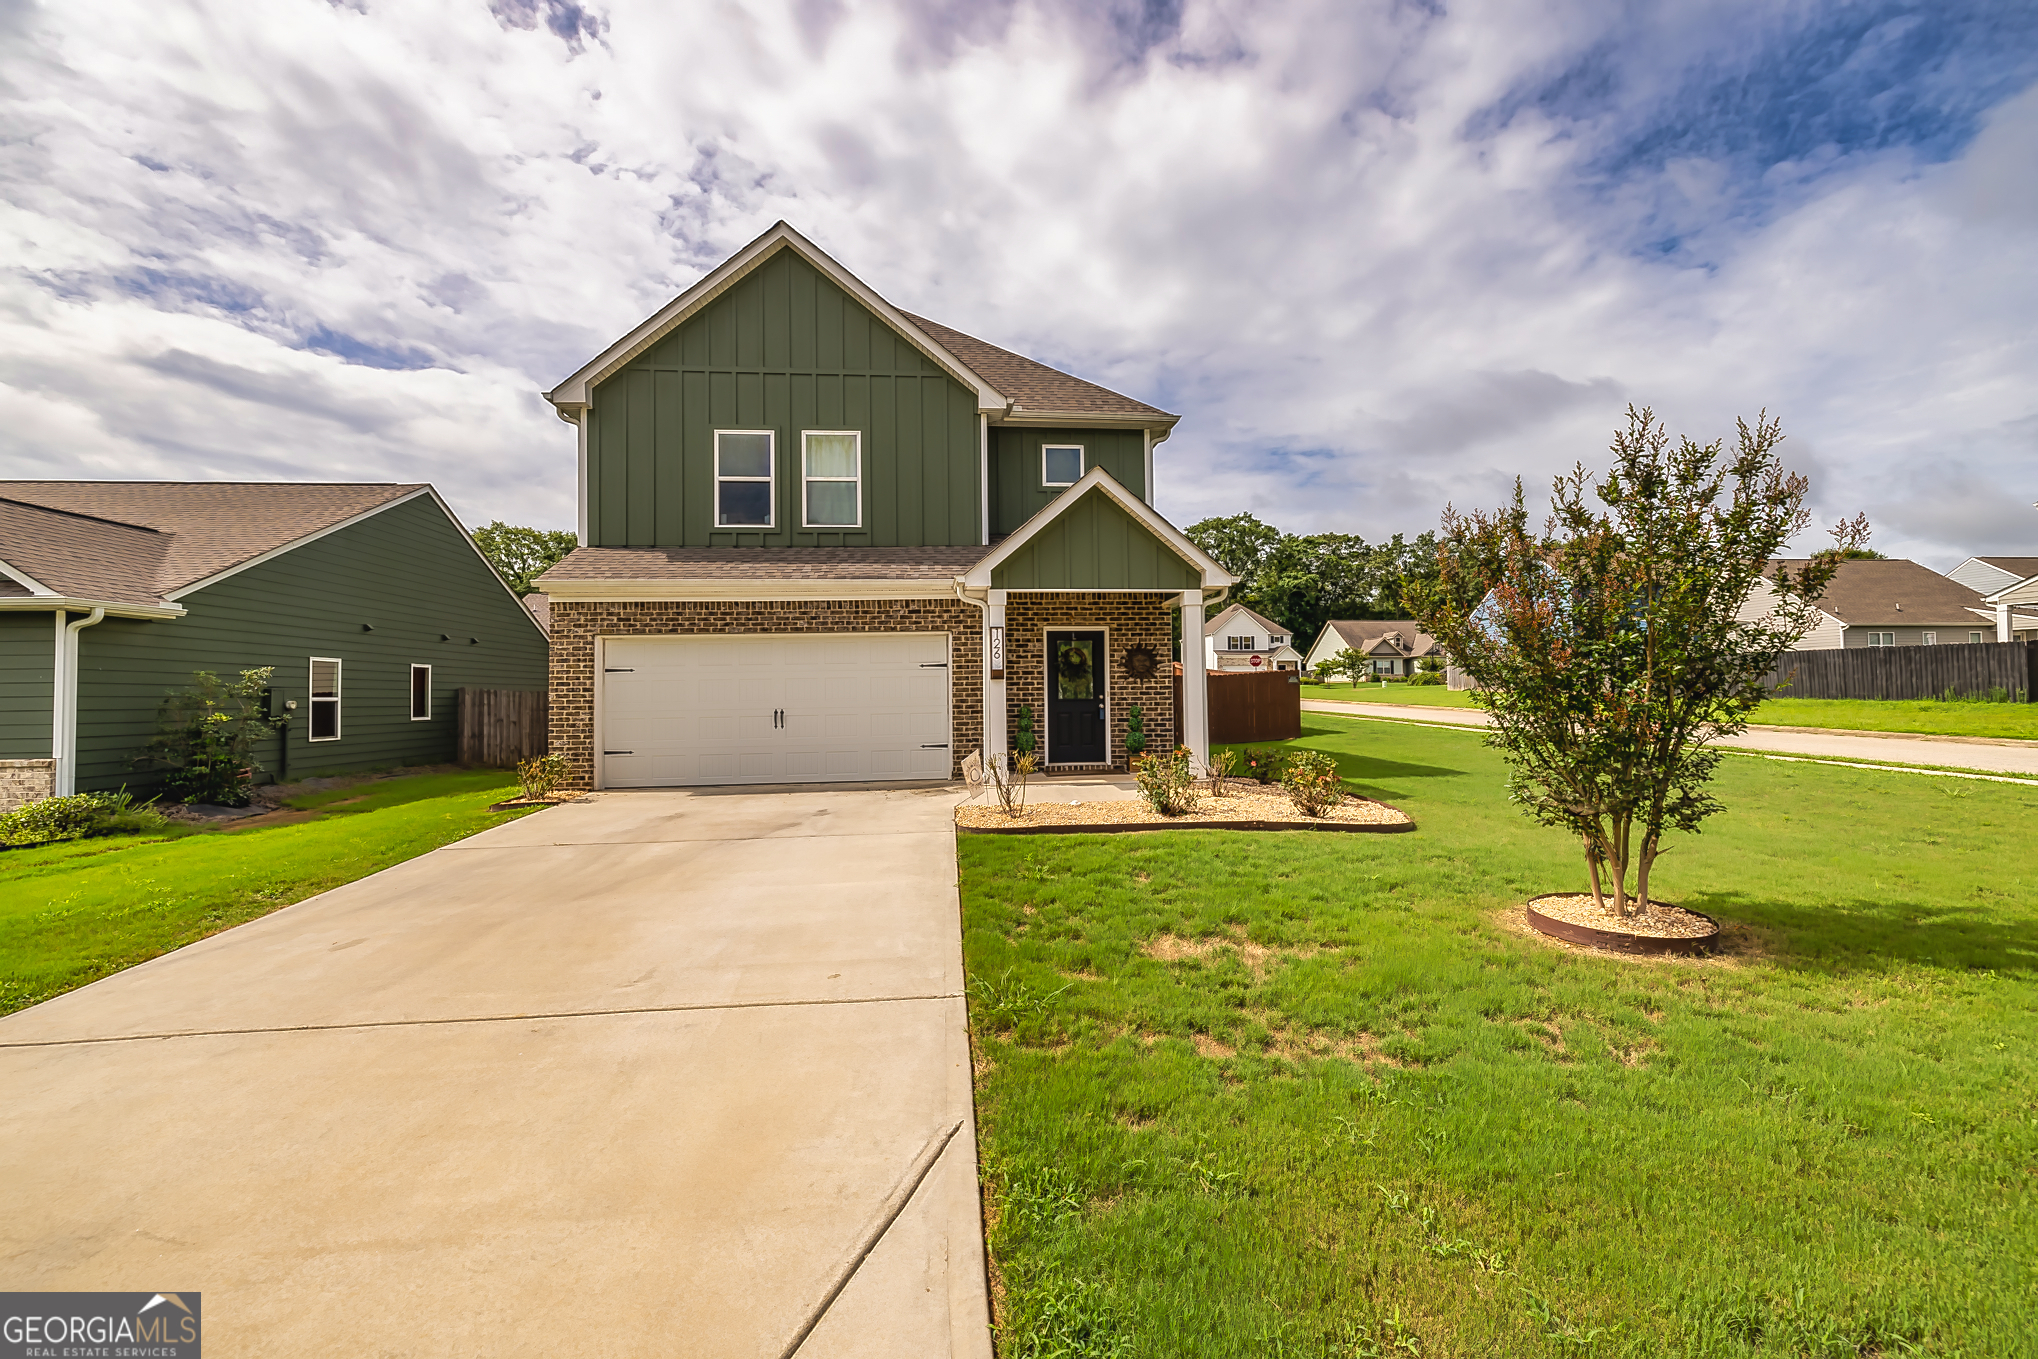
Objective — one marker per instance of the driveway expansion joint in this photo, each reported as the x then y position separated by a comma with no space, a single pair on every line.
476,1019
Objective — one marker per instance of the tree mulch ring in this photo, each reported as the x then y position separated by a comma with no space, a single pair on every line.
1575,918
1240,808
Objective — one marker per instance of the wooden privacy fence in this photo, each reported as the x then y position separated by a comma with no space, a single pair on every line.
1909,671
499,727
1255,706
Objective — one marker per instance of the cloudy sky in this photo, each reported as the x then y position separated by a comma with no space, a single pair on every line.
1380,253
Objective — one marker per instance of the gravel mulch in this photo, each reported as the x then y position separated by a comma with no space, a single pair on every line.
1662,922
1247,808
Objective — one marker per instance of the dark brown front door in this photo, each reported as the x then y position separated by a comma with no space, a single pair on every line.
1076,731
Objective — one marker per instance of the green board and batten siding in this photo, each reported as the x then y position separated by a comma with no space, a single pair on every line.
27,649
784,349
407,572
1017,493
1095,545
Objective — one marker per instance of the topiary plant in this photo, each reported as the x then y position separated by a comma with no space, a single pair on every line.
1024,742
1135,730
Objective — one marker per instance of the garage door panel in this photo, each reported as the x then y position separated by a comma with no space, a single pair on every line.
703,709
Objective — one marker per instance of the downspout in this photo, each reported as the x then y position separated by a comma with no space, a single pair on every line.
64,704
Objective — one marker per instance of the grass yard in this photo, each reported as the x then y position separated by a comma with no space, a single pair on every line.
74,912
1927,717
1310,1095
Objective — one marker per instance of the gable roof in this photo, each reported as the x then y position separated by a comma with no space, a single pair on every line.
2023,568
1214,576
1893,592
1006,384
136,546
1231,611
1369,635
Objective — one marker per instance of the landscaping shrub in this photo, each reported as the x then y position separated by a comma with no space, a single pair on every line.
541,776
1168,782
1426,677
1223,765
1312,782
1265,763
1135,730
75,816
207,745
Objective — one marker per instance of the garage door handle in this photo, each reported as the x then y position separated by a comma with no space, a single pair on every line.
619,752
942,746
934,665
619,670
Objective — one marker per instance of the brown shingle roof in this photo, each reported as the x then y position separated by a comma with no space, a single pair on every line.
1232,611
1034,387
2023,568
1366,635
134,542
1868,593
764,563
541,609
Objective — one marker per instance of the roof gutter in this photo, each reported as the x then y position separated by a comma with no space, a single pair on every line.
103,607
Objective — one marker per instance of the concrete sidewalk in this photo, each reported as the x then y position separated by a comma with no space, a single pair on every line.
2008,757
655,1072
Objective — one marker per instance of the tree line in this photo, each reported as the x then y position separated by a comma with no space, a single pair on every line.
1304,580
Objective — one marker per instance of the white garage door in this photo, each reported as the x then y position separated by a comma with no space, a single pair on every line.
843,707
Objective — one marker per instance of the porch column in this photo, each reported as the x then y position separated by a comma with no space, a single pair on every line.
997,736
2002,622
1195,715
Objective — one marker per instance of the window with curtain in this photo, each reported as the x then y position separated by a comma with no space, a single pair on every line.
833,471
743,478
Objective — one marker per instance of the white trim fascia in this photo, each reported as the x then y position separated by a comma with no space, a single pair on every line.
1215,577
23,579
295,543
723,588
580,484
46,603
1146,443
2022,592
576,392
983,479
1161,425
2019,621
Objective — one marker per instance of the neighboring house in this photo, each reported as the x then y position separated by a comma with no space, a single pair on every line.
2011,626
1891,602
809,518
1392,646
1233,639
1986,575
370,601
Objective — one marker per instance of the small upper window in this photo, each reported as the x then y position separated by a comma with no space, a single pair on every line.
1931,639
1276,641
743,477
834,478
325,699
1974,637
1238,643
1061,464
421,693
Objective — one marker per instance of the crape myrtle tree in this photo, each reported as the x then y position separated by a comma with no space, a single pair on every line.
1612,648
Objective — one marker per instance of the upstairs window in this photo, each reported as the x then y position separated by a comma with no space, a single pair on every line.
1061,464
1277,641
744,464
833,474
325,699
1974,637
1238,643
1931,639
421,693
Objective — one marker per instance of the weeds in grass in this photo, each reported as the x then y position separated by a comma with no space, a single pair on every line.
1009,1001
1571,1339
1386,1338
1059,1316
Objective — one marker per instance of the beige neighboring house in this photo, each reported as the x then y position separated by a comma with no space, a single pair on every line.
1986,575
1893,602
1236,637
1392,645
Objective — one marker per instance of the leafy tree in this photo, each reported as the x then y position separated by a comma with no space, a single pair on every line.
520,555
207,743
1240,543
1610,647
1305,580
1353,664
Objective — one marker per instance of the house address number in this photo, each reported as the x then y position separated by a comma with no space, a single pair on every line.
997,653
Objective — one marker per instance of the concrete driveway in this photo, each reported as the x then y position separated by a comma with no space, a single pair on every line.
650,1073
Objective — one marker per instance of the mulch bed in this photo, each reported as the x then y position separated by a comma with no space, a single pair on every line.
1242,808
1575,918
549,800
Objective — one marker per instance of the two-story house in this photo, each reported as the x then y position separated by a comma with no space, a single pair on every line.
826,540
1239,639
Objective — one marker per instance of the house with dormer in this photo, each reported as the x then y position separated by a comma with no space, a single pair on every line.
826,540
1240,639
1391,646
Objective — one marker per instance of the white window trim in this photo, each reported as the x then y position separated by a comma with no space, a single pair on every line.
806,480
411,697
311,702
1239,644
1973,637
1930,639
1875,639
1082,463
771,521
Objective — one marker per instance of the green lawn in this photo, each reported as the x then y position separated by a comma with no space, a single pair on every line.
1308,1095
2011,721
74,912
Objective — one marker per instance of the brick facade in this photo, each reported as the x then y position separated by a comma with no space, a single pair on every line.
1127,620
24,781
576,623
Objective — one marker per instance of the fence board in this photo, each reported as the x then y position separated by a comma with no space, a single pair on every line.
1247,707
1970,668
498,727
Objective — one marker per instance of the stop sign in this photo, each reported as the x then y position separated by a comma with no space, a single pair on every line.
1257,662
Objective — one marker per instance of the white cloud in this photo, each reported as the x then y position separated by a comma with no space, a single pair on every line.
1364,248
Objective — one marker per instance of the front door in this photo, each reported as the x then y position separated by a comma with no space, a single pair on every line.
1076,730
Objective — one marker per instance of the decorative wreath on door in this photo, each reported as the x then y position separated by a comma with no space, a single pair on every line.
1141,662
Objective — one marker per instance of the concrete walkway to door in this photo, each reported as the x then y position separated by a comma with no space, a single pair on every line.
649,1073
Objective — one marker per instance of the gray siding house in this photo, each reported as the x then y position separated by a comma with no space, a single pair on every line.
824,539
1891,602
370,601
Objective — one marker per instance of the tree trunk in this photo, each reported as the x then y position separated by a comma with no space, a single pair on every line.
1644,862
1592,862
1617,859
